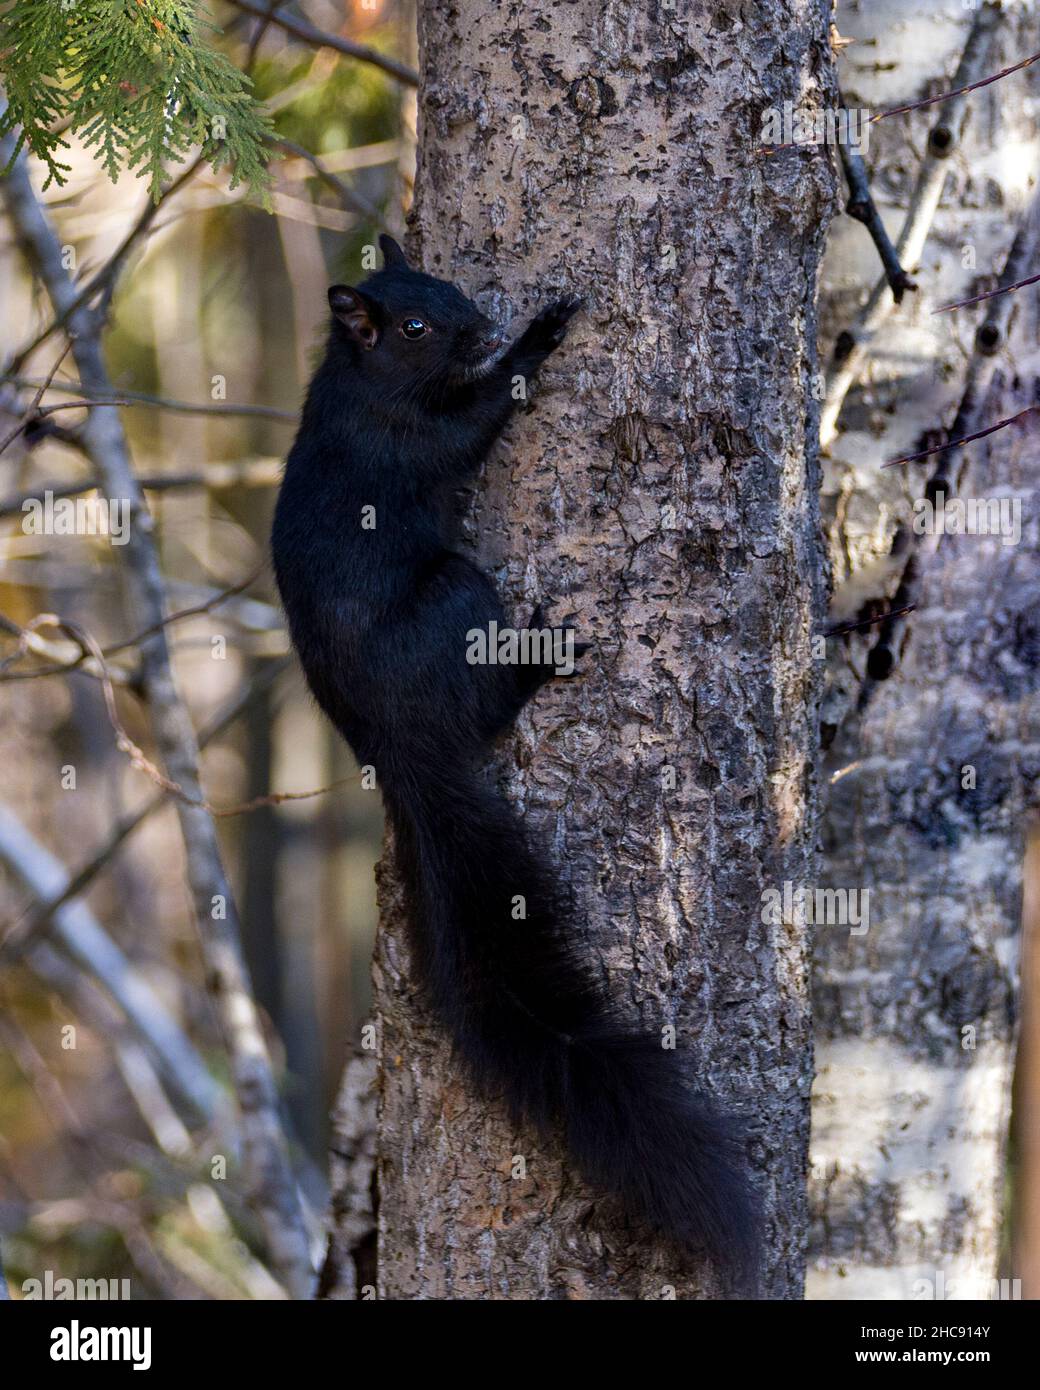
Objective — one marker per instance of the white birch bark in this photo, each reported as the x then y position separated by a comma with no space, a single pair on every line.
915,1017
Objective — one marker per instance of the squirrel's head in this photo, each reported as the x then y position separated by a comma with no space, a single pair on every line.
406,326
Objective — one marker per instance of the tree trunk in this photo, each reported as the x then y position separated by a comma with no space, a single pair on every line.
662,486
915,1016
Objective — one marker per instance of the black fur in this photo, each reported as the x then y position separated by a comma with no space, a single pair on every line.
380,618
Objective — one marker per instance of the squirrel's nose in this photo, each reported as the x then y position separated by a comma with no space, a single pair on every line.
491,340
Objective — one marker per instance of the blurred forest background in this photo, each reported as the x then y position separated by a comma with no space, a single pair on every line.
221,304
117,1082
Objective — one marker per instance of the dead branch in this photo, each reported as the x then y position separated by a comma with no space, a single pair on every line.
990,294
259,472
989,339
957,91
855,343
862,207
124,828
348,196
230,409
309,33
269,1176
75,929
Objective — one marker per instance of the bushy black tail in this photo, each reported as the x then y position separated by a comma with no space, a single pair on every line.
527,1019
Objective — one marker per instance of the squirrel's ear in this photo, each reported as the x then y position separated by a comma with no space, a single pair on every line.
356,313
393,256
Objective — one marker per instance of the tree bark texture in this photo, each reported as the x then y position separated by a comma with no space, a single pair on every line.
662,486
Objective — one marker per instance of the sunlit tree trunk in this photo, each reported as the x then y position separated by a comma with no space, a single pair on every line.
662,486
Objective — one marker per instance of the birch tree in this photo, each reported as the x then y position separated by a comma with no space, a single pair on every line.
932,717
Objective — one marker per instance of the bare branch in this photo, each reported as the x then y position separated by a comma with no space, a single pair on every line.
839,629
29,640
33,407
89,945
862,207
89,649
261,472
124,828
37,413
990,294
348,196
229,408
854,344
269,1177
964,439
196,610
104,281
957,91
308,33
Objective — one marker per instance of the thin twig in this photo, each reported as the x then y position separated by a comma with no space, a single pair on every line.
196,610
31,416
957,91
63,668
308,33
82,878
840,629
30,641
138,758
109,272
268,1171
348,196
990,294
964,439
229,408
33,408
259,472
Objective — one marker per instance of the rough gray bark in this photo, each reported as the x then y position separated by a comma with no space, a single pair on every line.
915,1018
663,487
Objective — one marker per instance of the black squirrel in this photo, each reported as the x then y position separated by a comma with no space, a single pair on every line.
413,391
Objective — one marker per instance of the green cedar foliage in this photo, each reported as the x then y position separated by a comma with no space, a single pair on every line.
135,80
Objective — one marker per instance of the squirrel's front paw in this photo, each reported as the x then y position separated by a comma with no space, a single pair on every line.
548,328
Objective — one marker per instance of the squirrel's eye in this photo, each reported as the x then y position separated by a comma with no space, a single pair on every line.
414,328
